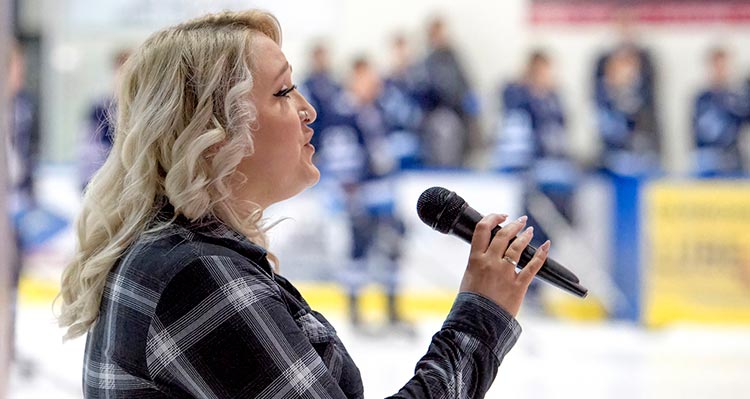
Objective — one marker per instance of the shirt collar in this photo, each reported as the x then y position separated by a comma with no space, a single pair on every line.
216,230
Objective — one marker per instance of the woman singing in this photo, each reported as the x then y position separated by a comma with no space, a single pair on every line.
172,281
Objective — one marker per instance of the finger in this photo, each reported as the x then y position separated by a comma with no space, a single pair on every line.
499,244
535,264
519,244
480,240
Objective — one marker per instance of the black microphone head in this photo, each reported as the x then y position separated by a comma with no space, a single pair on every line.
439,208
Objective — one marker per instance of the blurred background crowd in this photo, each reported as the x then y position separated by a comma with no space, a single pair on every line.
614,125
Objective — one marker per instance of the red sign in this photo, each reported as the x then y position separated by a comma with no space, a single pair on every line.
646,12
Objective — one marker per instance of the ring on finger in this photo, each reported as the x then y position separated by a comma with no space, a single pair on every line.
510,260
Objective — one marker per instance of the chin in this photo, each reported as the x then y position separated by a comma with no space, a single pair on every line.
314,177
310,178
312,182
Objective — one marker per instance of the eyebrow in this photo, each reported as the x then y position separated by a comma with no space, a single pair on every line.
283,70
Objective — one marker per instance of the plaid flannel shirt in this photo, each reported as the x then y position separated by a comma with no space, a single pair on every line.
196,311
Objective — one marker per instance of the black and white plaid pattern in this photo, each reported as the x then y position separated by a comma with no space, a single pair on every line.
196,311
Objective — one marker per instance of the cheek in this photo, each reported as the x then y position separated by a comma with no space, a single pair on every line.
278,131
282,119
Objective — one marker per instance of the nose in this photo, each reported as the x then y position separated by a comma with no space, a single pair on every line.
304,115
307,112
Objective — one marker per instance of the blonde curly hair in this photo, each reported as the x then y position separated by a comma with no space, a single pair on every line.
184,123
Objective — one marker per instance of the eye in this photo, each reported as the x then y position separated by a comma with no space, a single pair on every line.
285,92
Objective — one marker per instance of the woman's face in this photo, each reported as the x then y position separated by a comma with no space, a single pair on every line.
281,165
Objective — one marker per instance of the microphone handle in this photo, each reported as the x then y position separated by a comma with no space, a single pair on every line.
551,272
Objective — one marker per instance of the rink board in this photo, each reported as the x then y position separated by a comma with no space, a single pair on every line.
697,247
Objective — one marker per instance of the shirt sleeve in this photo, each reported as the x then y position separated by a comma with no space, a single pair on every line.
222,330
464,356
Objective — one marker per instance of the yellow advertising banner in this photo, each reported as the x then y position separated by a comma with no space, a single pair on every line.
697,252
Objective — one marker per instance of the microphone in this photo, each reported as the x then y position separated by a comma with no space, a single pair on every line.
445,211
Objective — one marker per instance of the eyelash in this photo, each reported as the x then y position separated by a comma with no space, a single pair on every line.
285,92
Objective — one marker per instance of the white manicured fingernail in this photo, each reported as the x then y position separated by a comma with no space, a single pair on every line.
545,246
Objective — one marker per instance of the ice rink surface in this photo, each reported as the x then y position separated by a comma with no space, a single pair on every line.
552,359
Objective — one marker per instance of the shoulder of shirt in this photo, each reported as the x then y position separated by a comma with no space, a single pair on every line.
159,256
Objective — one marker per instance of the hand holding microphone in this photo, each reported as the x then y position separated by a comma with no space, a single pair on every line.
492,262
446,212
